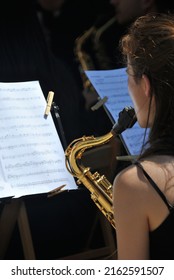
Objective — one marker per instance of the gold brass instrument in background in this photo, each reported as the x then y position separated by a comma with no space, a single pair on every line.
90,51
98,185
91,54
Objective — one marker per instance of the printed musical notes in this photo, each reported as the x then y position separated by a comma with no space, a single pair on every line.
31,154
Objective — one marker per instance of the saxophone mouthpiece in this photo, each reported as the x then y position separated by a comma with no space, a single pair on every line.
126,120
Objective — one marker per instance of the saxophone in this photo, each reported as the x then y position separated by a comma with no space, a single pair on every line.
98,185
90,54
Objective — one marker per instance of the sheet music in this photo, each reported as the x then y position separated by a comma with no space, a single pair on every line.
113,84
32,158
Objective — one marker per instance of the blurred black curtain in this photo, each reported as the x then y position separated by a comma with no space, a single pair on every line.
60,225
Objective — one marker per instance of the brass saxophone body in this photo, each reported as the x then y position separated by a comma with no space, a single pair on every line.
98,185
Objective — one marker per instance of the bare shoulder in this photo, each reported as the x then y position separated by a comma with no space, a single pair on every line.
130,176
131,214
130,184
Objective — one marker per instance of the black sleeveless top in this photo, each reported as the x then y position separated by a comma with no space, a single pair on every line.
161,240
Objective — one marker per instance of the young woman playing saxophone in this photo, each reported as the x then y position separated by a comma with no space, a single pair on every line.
144,192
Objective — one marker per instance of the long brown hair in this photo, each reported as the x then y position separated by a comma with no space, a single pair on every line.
149,45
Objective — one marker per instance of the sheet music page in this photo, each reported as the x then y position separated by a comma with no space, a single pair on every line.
113,85
32,158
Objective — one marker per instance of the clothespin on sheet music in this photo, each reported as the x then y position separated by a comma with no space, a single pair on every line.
49,103
56,191
127,158
99,104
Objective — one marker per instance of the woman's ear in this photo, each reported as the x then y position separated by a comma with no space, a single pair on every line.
146,86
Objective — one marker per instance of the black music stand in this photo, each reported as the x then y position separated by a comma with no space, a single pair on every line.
15,211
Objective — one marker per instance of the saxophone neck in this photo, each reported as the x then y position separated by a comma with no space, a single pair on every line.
76,149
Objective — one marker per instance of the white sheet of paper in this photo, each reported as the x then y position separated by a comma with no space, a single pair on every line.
113,84
32,158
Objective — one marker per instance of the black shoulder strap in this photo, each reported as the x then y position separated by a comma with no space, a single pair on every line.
170,207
